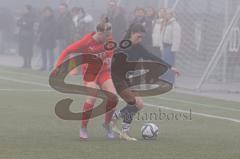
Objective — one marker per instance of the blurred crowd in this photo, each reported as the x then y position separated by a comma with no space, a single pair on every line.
51,30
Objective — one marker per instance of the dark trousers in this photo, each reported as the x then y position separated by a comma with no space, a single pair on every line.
27,53
47,58
27,61
62,44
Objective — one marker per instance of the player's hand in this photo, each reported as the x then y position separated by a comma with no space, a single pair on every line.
176,71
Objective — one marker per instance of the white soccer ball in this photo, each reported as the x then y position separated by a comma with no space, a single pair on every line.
149,131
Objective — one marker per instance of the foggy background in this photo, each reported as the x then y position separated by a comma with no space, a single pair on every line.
203,25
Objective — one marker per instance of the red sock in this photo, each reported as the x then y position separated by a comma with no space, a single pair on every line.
111,104
86,116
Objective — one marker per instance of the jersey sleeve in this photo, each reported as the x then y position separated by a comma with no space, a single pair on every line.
76,47
146,55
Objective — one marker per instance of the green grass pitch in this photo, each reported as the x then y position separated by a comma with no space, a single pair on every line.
29,128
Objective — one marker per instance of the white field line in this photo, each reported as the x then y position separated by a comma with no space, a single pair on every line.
24,82
199,104
195,113
24,74
27,90
147,104
164,98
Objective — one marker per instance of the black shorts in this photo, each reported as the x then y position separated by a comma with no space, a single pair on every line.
120,84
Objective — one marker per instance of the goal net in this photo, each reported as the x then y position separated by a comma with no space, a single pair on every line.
209,57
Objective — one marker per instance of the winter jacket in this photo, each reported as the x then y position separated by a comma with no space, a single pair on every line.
47,33
157,33
172,35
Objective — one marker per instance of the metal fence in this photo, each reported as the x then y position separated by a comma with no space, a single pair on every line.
210,54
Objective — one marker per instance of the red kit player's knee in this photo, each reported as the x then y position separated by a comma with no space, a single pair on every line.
111,103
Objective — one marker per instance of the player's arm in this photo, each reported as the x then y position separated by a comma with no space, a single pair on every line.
76,47
146,54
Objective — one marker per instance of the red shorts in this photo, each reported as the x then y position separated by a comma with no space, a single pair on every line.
101,77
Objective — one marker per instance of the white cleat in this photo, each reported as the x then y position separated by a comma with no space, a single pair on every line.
83,134
109,132
123,135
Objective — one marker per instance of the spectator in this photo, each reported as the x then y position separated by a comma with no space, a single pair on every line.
47,38
150,18
65,29
140,17
116,16
26,35
6,28
171,42
83,22
158,26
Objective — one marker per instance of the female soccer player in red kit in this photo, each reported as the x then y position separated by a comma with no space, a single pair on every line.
93,43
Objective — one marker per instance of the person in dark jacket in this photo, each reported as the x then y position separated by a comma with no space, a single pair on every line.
150,18
83,22
6,29
47,38
26,36
65,27
117,18
145,17
139,17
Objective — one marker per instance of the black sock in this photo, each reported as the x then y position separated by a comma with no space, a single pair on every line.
128,112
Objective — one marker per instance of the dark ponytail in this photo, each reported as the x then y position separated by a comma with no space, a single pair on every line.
104,25
134,28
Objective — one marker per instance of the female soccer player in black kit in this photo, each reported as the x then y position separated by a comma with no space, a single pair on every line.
136,52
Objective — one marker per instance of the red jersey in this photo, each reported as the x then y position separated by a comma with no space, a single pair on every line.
90,46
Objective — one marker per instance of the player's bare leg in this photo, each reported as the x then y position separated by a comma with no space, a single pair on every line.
111,104
127,113
88,105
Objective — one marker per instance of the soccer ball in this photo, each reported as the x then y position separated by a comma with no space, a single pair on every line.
149,131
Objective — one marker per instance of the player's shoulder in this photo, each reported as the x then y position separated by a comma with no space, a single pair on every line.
88,36
86,39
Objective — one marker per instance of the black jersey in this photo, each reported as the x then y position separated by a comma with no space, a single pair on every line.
120,64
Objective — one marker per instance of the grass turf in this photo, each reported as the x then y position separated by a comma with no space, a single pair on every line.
30,129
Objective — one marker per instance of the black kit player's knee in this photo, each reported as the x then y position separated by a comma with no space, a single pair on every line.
128,113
